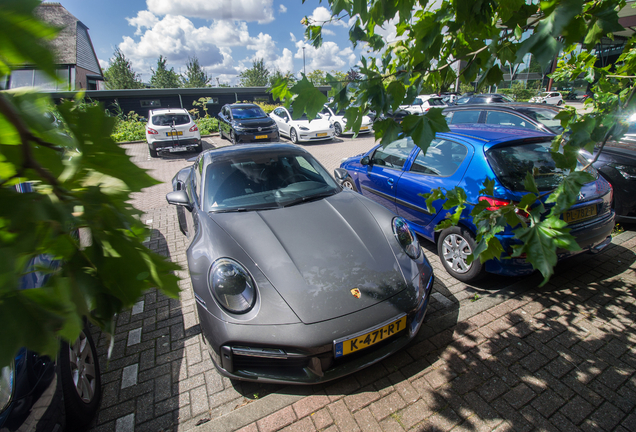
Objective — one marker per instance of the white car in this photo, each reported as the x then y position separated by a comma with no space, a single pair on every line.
553,98
339,122
423,103
302,129
173,130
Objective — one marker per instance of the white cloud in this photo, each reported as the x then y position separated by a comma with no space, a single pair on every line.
242,10
285,63
226,67
328,56
282,9
144,19
322,15
103,64
292,37
328,32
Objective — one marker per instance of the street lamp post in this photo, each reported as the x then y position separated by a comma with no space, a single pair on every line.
304,70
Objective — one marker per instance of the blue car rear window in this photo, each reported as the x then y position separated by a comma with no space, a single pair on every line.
511,164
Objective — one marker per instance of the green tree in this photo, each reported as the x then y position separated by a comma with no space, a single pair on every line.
276,75
483,38
162,77
82,180
194,76
256,76
317,77
120,74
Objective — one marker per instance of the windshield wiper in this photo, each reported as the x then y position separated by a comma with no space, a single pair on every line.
309,198
230,210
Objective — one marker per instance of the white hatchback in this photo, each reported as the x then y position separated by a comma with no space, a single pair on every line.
173,130
423,103
553,98
339,122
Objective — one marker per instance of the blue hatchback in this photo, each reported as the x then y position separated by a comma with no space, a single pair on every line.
396,175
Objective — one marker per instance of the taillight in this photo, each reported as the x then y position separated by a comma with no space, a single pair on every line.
496,204
194,128
152,131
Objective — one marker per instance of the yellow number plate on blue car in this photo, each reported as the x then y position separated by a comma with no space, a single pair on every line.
352,344
578,214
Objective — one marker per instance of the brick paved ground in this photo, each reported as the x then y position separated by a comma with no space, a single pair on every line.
500,355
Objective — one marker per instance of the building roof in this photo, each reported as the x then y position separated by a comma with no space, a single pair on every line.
65,44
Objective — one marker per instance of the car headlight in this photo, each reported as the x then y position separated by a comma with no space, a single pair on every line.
344,120
239,128
232,286
7,377
406,238
303,128
629,172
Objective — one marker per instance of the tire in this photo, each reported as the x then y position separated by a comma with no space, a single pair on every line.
455,244
545,102
81,381
232,137
559,103
349,184
153,152
337,129
293,136
199,148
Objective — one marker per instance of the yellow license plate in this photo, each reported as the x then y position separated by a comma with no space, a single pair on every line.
579,214
174,133
260,136
356,343
321,134
364,127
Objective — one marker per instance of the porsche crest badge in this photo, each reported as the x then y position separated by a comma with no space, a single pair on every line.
356,293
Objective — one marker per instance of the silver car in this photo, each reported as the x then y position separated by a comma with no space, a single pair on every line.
295,279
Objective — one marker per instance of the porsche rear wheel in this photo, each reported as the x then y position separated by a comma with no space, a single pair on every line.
454,246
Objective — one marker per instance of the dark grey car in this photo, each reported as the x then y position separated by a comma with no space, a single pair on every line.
295,279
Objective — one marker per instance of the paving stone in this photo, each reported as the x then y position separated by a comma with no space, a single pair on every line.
322,419
277,421
310,404
387,405
366,421
342,417
519,396
577,409
129,376
134,336
125,424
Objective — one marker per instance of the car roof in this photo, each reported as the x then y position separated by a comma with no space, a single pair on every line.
241,105
492,135
168,111
253,150
514,106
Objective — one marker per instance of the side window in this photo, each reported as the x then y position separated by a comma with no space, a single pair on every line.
394,155
325,111
507,119
277,112
465,117
442,158
198,170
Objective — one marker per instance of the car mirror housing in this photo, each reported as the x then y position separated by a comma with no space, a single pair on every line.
340,174
365,160
179,198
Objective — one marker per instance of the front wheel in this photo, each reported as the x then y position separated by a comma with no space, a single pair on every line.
293,136
559,103
232,137
349,184
337,129
454,246
81,381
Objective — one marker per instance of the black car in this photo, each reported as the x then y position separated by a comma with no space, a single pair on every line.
539,117
617,163
483,98
246,122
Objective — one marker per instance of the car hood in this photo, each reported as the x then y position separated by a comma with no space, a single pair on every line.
315,124
315,254
256,122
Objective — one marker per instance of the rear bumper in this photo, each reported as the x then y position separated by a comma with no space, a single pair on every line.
166,145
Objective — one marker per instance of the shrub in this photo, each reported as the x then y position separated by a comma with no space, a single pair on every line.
207,125
129,130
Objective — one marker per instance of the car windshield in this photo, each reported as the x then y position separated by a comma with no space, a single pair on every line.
506,98
511,163
304,116
265,181
170,119
248,112
435,102
545,117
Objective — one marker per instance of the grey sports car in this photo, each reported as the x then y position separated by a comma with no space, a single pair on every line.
296,280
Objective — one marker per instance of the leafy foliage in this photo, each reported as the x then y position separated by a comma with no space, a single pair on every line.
120,74
256,76
194,76
82,182
441,43
162,77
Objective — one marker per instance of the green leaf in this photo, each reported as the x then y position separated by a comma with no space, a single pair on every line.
566,194
310,100
530,184
423,128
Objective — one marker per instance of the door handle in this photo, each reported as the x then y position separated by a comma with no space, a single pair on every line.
390,181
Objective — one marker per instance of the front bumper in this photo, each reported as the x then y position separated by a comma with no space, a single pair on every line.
314,136
290,362
257,137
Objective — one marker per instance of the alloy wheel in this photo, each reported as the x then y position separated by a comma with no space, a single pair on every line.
82,362
456,250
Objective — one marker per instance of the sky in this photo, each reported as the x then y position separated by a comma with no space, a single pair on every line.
225,35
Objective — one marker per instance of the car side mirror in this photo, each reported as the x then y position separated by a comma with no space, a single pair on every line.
340,174
365,161
179,198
